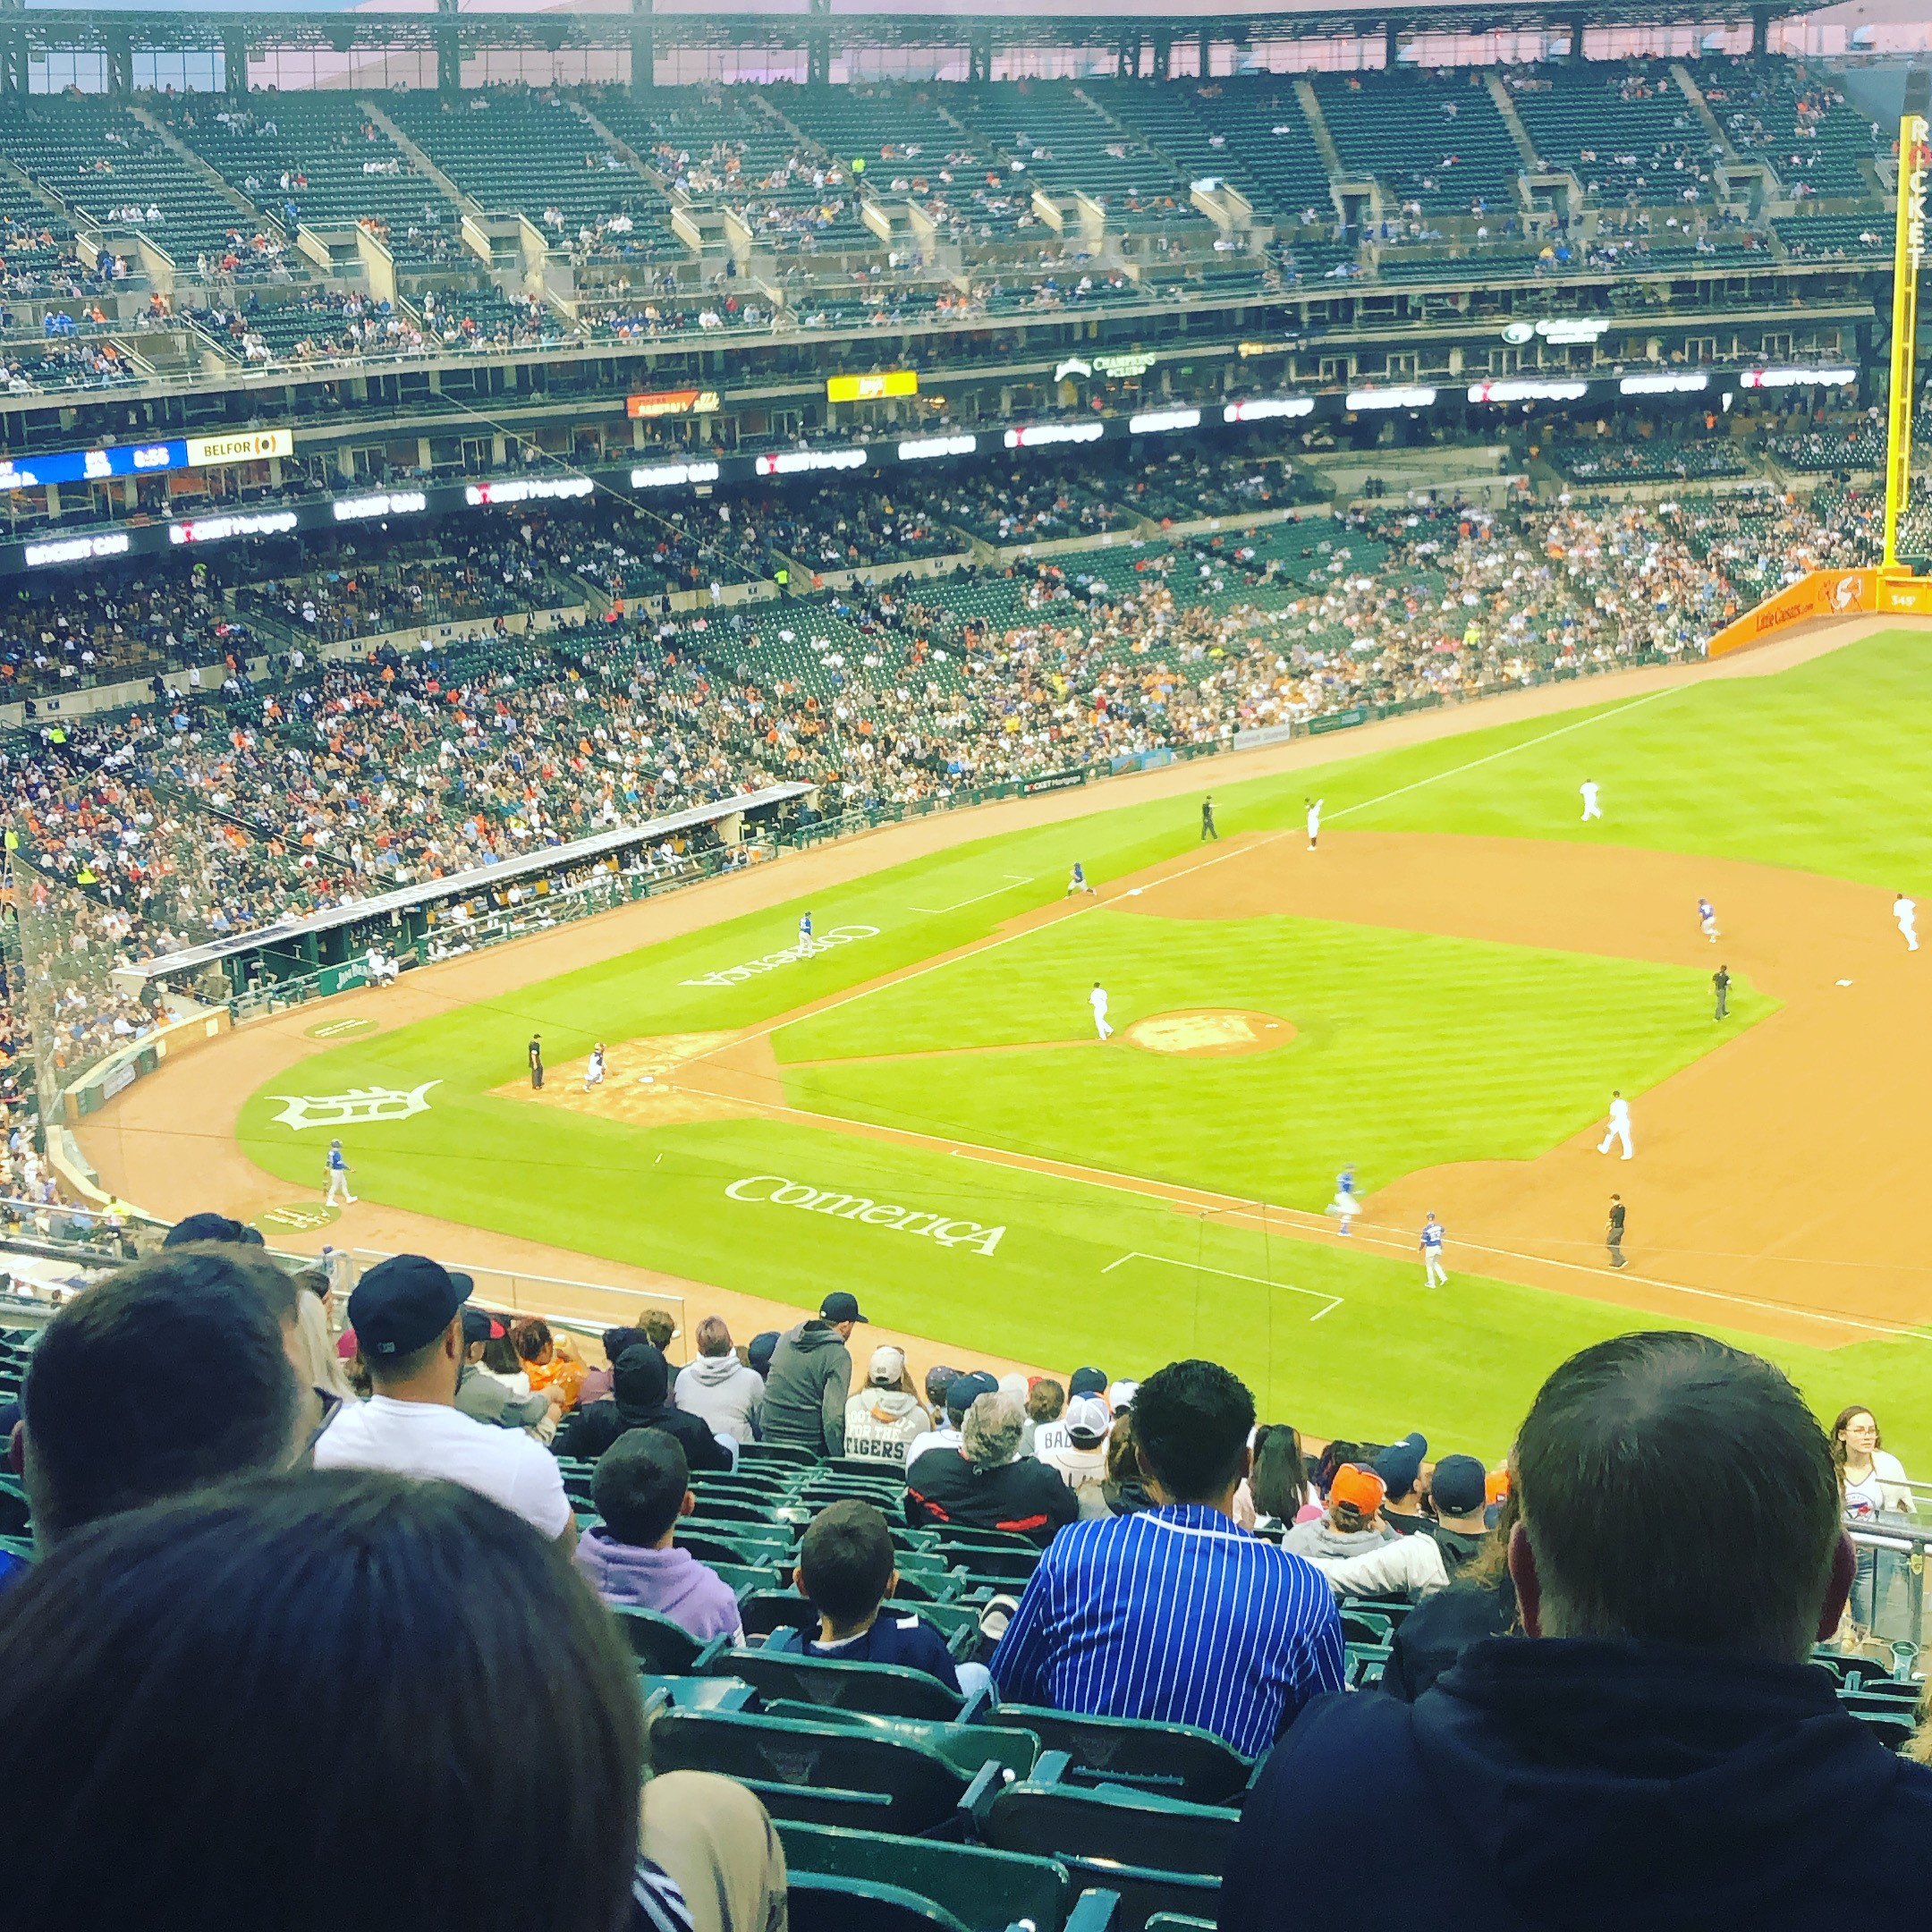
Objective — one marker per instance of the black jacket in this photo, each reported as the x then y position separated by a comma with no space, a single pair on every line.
1441,1628
638,1381
1025,1497
1587,1787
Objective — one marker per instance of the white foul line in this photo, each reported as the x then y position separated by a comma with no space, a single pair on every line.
1316,1294
1013,879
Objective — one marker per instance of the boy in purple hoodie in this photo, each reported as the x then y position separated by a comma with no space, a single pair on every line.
641,1486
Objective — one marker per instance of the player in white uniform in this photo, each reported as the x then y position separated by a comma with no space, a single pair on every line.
1708,919
593,1074
1313,807
1906,912
338,1178
1591,808
1619,1128
1434,1274
1097,999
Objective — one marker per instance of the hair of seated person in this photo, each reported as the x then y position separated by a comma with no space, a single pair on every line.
1193,1432
1671,1485
278,1702
639,1483
168,1376
845,1561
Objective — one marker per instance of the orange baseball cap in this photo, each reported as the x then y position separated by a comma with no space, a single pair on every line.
1359,1489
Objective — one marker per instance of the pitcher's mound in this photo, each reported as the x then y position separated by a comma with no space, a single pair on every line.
1205,1030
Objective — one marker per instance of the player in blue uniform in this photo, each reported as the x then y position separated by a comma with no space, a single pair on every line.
1078,882
804,933
1434,1274
1708,919
1345,1207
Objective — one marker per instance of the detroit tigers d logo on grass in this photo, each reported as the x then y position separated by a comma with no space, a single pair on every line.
360,1106
785,1194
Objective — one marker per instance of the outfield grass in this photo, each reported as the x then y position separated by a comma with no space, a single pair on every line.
1822,767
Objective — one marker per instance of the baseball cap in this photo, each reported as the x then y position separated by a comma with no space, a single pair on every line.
838,1306
404,1303
1088,1382
964,1390
1359,1489
888,1364
1121,1395
481,1325
1088,1420
1460,1485
216,1227
1400,1464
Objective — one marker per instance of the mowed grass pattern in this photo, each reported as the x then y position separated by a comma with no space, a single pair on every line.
1410,1050
1824,767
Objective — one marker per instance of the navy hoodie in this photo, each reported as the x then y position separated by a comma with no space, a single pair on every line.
1593,1788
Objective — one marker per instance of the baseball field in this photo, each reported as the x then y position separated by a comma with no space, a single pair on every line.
916,1106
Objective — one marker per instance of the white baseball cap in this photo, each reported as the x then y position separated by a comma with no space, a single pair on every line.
1088,1415
888,1365
1122,1395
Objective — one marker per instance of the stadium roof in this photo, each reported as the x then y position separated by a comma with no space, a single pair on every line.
783,23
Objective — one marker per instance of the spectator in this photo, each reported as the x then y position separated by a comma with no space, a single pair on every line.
1658,1752
961,1394
1123,1492
1081,1465
1870,1478
168,1375
596,1385
1279,1489
641,1486
887,1414
407,1313
548,1363
845,1572
1045,1402
1174,1614
1400,1467
1480,1602
718,1388
759,1353
1458,1494
1359,1553
940,1378
358,1615
1053,1433
660,1329
196,1228
811,1379
482,1395
985,1484
643,1377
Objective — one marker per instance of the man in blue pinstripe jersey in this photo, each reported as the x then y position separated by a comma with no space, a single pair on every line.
1176,1614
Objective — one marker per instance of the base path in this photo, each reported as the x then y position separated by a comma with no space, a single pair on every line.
168,1144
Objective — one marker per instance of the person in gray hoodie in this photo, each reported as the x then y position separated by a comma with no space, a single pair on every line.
717,1387
810,1378
1359,1553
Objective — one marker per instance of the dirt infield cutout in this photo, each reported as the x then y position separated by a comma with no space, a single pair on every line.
637,1085
1210,1032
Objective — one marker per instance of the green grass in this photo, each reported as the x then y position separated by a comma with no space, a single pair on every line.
1412,1049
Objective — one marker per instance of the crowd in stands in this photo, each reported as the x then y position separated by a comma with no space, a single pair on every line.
359,1539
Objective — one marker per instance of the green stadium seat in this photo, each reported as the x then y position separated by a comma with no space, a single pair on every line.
1363,1626
889,1689
985,1890
823,1774
660,1645
1178,1923
693,1693
785,1454
1045,1815
814,1903
965,1744
1177,1759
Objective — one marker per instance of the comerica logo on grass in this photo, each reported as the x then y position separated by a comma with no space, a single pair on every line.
787,1193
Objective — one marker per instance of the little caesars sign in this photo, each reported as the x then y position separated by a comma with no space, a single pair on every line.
781,1192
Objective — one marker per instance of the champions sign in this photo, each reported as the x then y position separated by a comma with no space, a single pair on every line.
781,1192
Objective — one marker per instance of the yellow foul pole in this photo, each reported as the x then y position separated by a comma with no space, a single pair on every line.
1915,168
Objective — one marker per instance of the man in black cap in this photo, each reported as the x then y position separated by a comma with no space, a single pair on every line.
215,1227
810,1378
407,1314
641,1391
481,1396
536,1060
1400,1467
962,1392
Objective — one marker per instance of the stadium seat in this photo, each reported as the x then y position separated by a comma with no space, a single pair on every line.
1046,1815
822,1774
661,1646
965,1744
888,1689
1177,1759
787,1456
814,1903
693,1693
983,1889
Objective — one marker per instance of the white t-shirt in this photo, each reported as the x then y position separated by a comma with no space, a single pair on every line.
933,1438
426,1439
